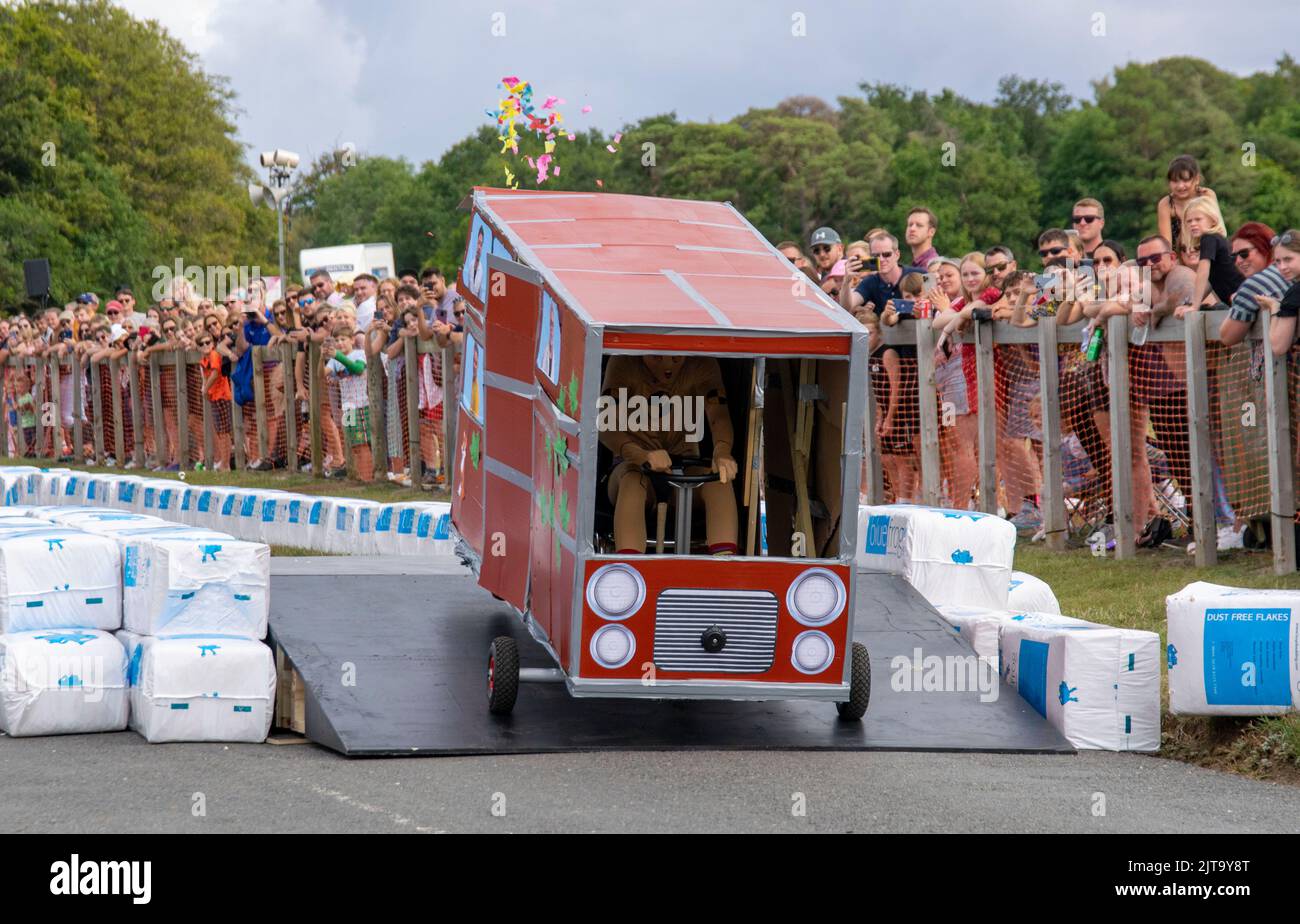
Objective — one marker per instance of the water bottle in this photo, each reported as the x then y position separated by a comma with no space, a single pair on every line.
1137,334
1092,342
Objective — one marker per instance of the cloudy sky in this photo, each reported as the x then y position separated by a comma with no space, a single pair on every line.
411,77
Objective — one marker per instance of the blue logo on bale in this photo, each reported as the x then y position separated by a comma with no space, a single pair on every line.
228,505
62,639
1246,658
962,556
1032,665
205,650
406,522
1171,655
247,505
209,552
314,517
268,511
205,501
1063,693
877,535
443,529
133,666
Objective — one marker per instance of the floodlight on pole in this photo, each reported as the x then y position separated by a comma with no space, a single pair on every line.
280,164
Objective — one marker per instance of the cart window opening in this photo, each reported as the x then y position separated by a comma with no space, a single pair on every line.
738,456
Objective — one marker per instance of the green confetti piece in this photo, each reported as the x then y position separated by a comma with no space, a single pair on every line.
473,448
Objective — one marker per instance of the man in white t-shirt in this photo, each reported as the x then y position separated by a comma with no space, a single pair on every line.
364,289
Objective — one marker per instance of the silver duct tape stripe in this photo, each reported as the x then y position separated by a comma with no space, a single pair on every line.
714,312
511,268
541,221
548,197
837,314
512,475
567,246
704,249
710,224
564,423
525,390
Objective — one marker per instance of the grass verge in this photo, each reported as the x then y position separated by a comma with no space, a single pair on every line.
1132,594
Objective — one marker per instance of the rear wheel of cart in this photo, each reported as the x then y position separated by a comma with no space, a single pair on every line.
502,675
859,685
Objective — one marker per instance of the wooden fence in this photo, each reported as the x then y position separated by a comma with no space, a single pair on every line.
1195,332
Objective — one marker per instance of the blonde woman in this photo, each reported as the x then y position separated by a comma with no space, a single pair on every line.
1216,271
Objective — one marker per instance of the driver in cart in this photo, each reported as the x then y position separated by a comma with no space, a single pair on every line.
677,382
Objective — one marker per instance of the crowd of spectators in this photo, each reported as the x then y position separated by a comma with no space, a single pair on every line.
356,325
1190,262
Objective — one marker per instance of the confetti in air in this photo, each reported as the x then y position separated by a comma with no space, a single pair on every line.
516,113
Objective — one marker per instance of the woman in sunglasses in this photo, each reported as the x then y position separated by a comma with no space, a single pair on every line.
1282,332
1252,252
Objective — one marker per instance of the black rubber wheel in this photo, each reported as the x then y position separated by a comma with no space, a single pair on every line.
859,685
502,675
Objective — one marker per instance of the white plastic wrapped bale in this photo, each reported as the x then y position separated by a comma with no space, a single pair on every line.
1031,594
59,577
228,505
350,530
106,523
1233,650
10,483
62,682
287,519
257,510
204,507
199,688
416,528
125,492
160,497
1099,686
62,513
982,627
41,486
950,556
191,581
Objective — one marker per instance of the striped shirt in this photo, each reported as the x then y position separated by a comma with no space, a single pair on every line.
1267,281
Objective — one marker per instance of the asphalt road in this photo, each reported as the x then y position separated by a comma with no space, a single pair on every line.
119,783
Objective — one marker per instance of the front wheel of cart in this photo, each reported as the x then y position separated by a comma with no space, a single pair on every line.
502,675
859,685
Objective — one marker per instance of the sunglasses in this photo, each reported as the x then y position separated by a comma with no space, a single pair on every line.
996,267
1052,251
822,248
883,255
1242,254
1152,258
205,341
113,312
1284,240
1084,219
169,330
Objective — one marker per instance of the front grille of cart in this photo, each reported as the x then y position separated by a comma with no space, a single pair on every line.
747,617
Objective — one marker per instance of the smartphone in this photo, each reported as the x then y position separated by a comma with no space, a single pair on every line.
869,265
905,306
928,282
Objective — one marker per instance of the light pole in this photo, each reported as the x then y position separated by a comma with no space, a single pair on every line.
281,165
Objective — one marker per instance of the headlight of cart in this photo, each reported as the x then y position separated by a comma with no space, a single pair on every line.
615,591
612,646
813,652
816,597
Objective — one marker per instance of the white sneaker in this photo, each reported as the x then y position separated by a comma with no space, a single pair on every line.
1231,538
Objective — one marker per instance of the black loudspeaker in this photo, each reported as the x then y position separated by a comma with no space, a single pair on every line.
36,274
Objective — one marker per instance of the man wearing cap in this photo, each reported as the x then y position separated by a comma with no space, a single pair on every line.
828,253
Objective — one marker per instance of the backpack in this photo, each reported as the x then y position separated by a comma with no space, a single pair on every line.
241,379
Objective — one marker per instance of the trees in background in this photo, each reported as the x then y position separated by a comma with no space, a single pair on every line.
147,166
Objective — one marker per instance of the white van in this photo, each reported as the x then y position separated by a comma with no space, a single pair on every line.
346,261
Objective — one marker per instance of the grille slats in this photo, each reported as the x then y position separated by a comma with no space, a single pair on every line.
748,617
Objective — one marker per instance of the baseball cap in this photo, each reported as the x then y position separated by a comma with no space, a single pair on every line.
824,235
86,298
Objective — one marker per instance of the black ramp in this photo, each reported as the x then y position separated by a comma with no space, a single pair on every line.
417,646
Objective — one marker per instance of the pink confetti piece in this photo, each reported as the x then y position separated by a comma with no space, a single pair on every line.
586,109
611,149
531,163
557,171
573,137
618,137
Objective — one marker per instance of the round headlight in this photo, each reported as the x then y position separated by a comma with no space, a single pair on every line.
813,652
816,597
615,591
612,646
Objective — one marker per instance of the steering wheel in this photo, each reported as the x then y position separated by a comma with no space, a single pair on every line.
677,475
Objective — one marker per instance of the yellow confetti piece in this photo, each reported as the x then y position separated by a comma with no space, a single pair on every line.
550,146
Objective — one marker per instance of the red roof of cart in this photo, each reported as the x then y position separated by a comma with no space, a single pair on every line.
630,261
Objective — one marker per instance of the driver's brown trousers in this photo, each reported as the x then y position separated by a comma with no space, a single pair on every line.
632,495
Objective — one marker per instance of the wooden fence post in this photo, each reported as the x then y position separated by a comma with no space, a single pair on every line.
411,371
988,420
1121,445
97,408
1049,390
78,411
375,380
1281,462
115,400
259,404
931,470
137,408
182,410
288,356
314,408
159,420
1200,442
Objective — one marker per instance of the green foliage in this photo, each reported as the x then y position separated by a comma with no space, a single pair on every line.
118,153
148,168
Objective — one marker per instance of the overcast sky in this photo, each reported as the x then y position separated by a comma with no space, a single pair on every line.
411,77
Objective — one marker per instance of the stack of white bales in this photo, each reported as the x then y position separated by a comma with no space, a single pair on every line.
61,669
